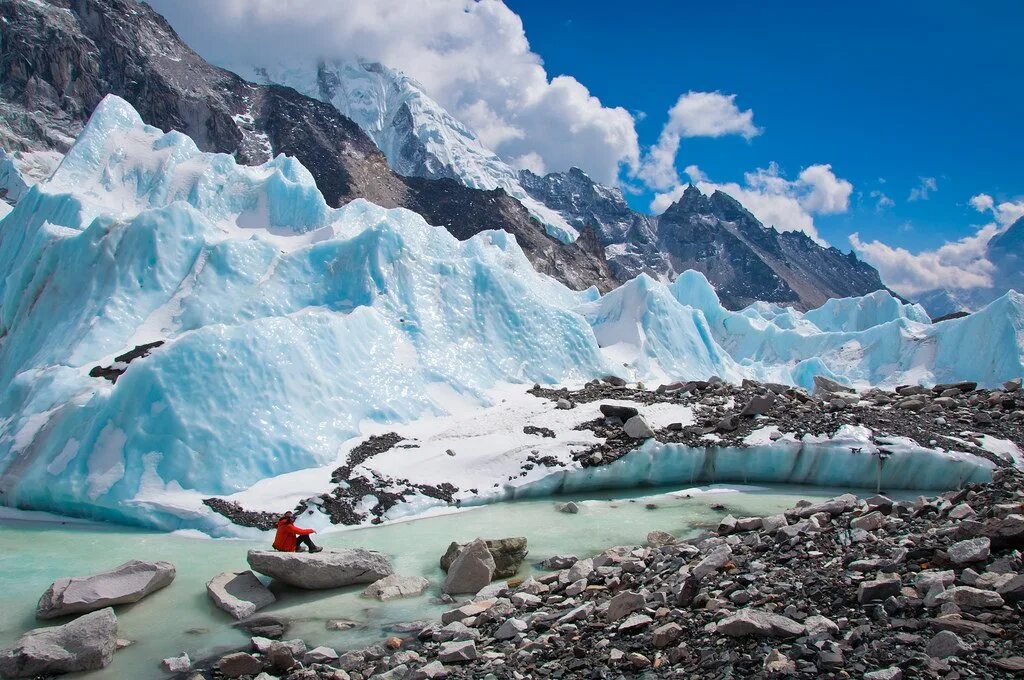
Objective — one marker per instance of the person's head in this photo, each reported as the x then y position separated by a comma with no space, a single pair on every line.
288,517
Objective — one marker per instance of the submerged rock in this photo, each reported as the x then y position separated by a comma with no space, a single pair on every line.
127,583
85,644
240,594
395,586
327,569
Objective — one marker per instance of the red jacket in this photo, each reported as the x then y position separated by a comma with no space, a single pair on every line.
286,533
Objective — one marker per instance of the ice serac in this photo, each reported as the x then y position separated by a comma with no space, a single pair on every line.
786,348
417,136
299,320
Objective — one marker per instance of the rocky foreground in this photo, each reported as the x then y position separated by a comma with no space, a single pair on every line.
848,588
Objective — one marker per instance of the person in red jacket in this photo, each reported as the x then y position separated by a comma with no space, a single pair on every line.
289,536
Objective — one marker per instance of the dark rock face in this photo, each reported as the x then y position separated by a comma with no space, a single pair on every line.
742,258
587,205
59,58
747,261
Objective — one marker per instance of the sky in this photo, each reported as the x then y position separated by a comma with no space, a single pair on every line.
893,128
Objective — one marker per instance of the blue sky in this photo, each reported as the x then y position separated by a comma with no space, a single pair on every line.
881,91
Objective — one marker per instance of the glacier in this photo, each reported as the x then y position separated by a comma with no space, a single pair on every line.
290,328
418,137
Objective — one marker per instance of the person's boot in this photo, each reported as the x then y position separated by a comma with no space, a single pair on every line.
316,549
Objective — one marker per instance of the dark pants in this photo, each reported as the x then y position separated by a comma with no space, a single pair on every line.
304,540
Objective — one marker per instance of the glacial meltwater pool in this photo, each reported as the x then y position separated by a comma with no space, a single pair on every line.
182,618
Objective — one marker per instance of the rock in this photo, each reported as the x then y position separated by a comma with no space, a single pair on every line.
777,663
125,584
563,404
971,550
1012,385
714,561
623,413
820,627
457,651
240,594
623,604
1012,590
637,428
569,508
324,655
85,644
510,628
265,625
758,405
394,586
238,664
873,521
1010,663
434,670
773,523
827,386
508,554
657,539
744,524
559,562
634,623
879,589
665,635
835,506
471,570
177,664
760,624
726,525
973,598
944,644
892,673
466,611
317,571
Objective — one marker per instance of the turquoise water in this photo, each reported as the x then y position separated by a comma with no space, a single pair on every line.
182,618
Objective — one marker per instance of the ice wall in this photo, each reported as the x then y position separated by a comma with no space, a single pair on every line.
287,323
290,327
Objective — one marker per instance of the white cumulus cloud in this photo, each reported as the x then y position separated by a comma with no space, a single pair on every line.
695,114
787,205
1005,213
471,55
958,264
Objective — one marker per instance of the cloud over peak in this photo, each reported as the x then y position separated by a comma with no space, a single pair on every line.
695,114
472,56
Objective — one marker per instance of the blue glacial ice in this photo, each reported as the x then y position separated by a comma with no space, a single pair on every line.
289,325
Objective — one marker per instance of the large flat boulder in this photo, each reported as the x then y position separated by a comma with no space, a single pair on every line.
508,555
240,594
85,644
125,584
327,569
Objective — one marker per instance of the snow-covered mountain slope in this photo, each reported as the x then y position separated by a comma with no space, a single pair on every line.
418,136
288,328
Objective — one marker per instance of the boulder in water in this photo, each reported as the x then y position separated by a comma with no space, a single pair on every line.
317,571
125,584
85,644
508,554
471,570
240,594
